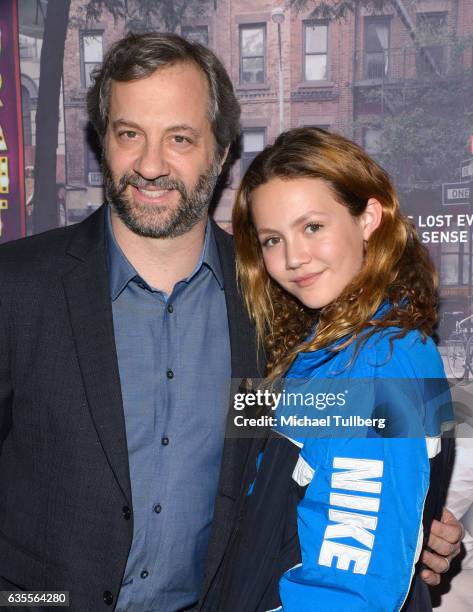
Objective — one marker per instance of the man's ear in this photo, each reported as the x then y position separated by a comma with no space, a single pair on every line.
371,217
224,157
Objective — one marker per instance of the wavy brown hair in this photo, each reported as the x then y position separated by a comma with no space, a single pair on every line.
397,268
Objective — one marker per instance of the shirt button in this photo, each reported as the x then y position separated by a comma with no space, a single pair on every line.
157,508
164,441
170,374
170,308
144,574
126,512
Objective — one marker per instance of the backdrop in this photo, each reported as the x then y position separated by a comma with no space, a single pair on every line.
396,76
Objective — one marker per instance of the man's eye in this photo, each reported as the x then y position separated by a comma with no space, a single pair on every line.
127,134
271,241
181,139
311,228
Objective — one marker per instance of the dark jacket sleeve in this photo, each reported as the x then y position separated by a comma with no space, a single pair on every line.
6,391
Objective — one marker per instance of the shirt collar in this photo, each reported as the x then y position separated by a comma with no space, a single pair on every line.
122,272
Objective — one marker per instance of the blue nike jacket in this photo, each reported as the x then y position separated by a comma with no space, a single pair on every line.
344,489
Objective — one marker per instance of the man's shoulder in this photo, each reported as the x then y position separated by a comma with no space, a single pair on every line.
40,245
28,265
48,250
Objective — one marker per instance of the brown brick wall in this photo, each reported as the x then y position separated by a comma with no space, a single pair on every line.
329,103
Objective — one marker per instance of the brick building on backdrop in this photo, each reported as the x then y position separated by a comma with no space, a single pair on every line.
328,69
289,69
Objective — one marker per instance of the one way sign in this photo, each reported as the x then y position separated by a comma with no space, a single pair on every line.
457,193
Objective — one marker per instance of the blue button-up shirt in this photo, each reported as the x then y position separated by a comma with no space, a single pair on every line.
174,363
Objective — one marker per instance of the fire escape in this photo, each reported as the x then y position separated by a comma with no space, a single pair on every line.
381,70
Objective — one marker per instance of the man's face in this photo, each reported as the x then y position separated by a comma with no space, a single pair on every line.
159,162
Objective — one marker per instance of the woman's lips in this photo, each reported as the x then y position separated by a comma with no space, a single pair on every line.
307,280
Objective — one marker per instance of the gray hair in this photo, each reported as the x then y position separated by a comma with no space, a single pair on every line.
137,56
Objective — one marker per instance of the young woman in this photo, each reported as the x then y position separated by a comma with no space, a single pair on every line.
343,296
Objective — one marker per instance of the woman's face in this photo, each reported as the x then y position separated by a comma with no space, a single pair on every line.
312,246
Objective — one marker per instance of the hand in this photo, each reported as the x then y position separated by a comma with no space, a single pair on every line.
445,541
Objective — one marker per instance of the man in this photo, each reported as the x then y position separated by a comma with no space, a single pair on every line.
119,337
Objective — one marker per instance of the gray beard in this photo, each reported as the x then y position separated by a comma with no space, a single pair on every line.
153,221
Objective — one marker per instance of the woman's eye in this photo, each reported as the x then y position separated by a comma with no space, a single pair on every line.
269,242
311,228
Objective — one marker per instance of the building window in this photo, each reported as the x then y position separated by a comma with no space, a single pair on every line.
91,55
253,141
372,140
198,34
315,50
431,55
252,53
376,47
454,263
26,116
312,124
449,269
93,171
27,47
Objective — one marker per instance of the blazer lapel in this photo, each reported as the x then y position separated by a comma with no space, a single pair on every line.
242,332
236,451
88,296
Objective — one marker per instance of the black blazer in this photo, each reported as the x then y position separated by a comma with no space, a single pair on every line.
65,496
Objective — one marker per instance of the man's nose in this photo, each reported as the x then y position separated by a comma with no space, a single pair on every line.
151,162
296,254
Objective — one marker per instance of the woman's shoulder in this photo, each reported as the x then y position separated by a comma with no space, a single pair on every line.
412,354
384,353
